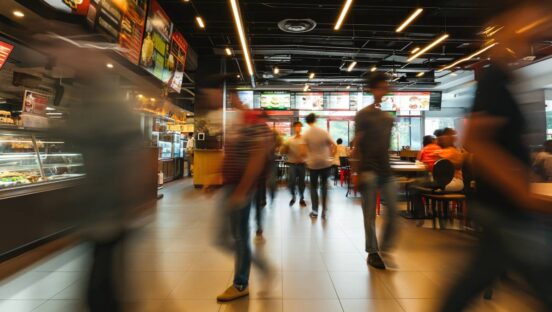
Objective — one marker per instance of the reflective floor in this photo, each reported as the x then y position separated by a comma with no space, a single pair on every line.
320,266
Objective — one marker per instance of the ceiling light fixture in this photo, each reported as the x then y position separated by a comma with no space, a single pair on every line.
200,22
311,76
351,66
152,99
306,88
109,65
396,79
373,69
238,76
428,47
348,87
468,57
228,51
241,33
420,74
18,13
409,20
532,25
140,96
416,49
343,14
276,70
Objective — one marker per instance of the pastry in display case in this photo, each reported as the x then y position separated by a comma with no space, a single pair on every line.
26,158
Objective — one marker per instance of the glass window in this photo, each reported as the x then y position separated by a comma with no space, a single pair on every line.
339,129
59,161
18,161
434,123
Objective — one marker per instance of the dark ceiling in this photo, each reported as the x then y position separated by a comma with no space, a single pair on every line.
367,36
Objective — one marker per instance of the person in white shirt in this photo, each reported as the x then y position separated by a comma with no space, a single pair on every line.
320,149
296,152
190,145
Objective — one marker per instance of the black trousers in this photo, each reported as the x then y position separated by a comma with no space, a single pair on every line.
319,178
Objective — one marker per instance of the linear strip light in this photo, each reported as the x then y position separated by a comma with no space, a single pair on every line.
351,66
306,88
311,76
241,33
416,49
409,20
343,14
428,47
200,22
228,51
468,58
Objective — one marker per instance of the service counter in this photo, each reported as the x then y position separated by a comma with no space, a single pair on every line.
208,167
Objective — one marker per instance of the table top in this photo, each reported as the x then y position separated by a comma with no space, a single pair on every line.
408,168
542,189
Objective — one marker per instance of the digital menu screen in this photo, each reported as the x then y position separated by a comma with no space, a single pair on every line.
275,100
338,100
435,99
400,101
246,97
309,100
155,47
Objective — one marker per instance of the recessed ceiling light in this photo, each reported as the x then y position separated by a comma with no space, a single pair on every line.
276,70
374,69
109,65
238,76
18,13
200,22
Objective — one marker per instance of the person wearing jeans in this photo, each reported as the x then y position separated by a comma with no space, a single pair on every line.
372,142
296,153
320,149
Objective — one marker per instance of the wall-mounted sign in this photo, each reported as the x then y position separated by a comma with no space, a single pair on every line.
155,48
309,100
132,29
35,103
5,51
275,100
79,7
177,60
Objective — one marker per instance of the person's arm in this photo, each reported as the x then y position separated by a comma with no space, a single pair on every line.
492,161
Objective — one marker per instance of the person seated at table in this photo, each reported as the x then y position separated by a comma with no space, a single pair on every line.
340,151
427,154
542,164
449,151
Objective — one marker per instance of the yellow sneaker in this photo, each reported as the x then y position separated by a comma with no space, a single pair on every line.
232,293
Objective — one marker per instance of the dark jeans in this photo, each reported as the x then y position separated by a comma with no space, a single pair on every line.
506,244
260,203
297,179
319,177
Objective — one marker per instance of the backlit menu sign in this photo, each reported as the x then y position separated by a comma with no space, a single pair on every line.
155,48
177,60
338,100
5,51
275,100
79,7
132,29
400,101
309,101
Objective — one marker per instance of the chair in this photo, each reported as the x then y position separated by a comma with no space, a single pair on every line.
344,169
436,198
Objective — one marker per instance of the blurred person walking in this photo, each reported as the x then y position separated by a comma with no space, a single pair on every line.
341,151
320,149
516,226
267,177
296,152
372,142
190,146
245,159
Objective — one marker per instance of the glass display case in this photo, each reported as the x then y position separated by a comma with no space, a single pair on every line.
28,158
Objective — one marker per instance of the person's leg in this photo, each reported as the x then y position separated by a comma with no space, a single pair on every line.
240,232
314,174
324,175
301,180
368,187
292,179
389,191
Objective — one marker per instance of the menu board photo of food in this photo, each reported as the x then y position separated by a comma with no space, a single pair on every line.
414,101
155,47
339,100
177,60
309,101
132,29
276,100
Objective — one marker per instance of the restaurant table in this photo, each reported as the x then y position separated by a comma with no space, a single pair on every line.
542,190
407,168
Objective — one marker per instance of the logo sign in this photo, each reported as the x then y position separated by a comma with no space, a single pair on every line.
35,103
5,51
79,7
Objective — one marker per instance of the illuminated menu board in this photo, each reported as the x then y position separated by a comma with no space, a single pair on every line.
400,101
155,48
338,100
283,128
177,60
309,100
246,97
275,100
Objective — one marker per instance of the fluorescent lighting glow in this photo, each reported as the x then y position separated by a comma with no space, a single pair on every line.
373,69
428,47
420,74
311,76
18,14
409,20
532,25
109,65
241,33
348,87
276,70
343,14
200,22
228,51
306,88
416,49
351,66
468,57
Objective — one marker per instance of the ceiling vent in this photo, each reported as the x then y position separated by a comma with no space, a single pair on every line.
297,26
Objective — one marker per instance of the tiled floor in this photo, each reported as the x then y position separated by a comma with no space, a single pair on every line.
319,266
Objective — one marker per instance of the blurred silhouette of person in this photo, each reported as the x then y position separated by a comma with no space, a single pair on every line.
340,151
190,146
542,164
372,141
296,152
320,148
516,226
427,154
245,158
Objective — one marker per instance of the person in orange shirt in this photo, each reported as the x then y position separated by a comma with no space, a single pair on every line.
427,154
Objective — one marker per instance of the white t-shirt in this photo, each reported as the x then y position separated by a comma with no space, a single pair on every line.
318,143
294,145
